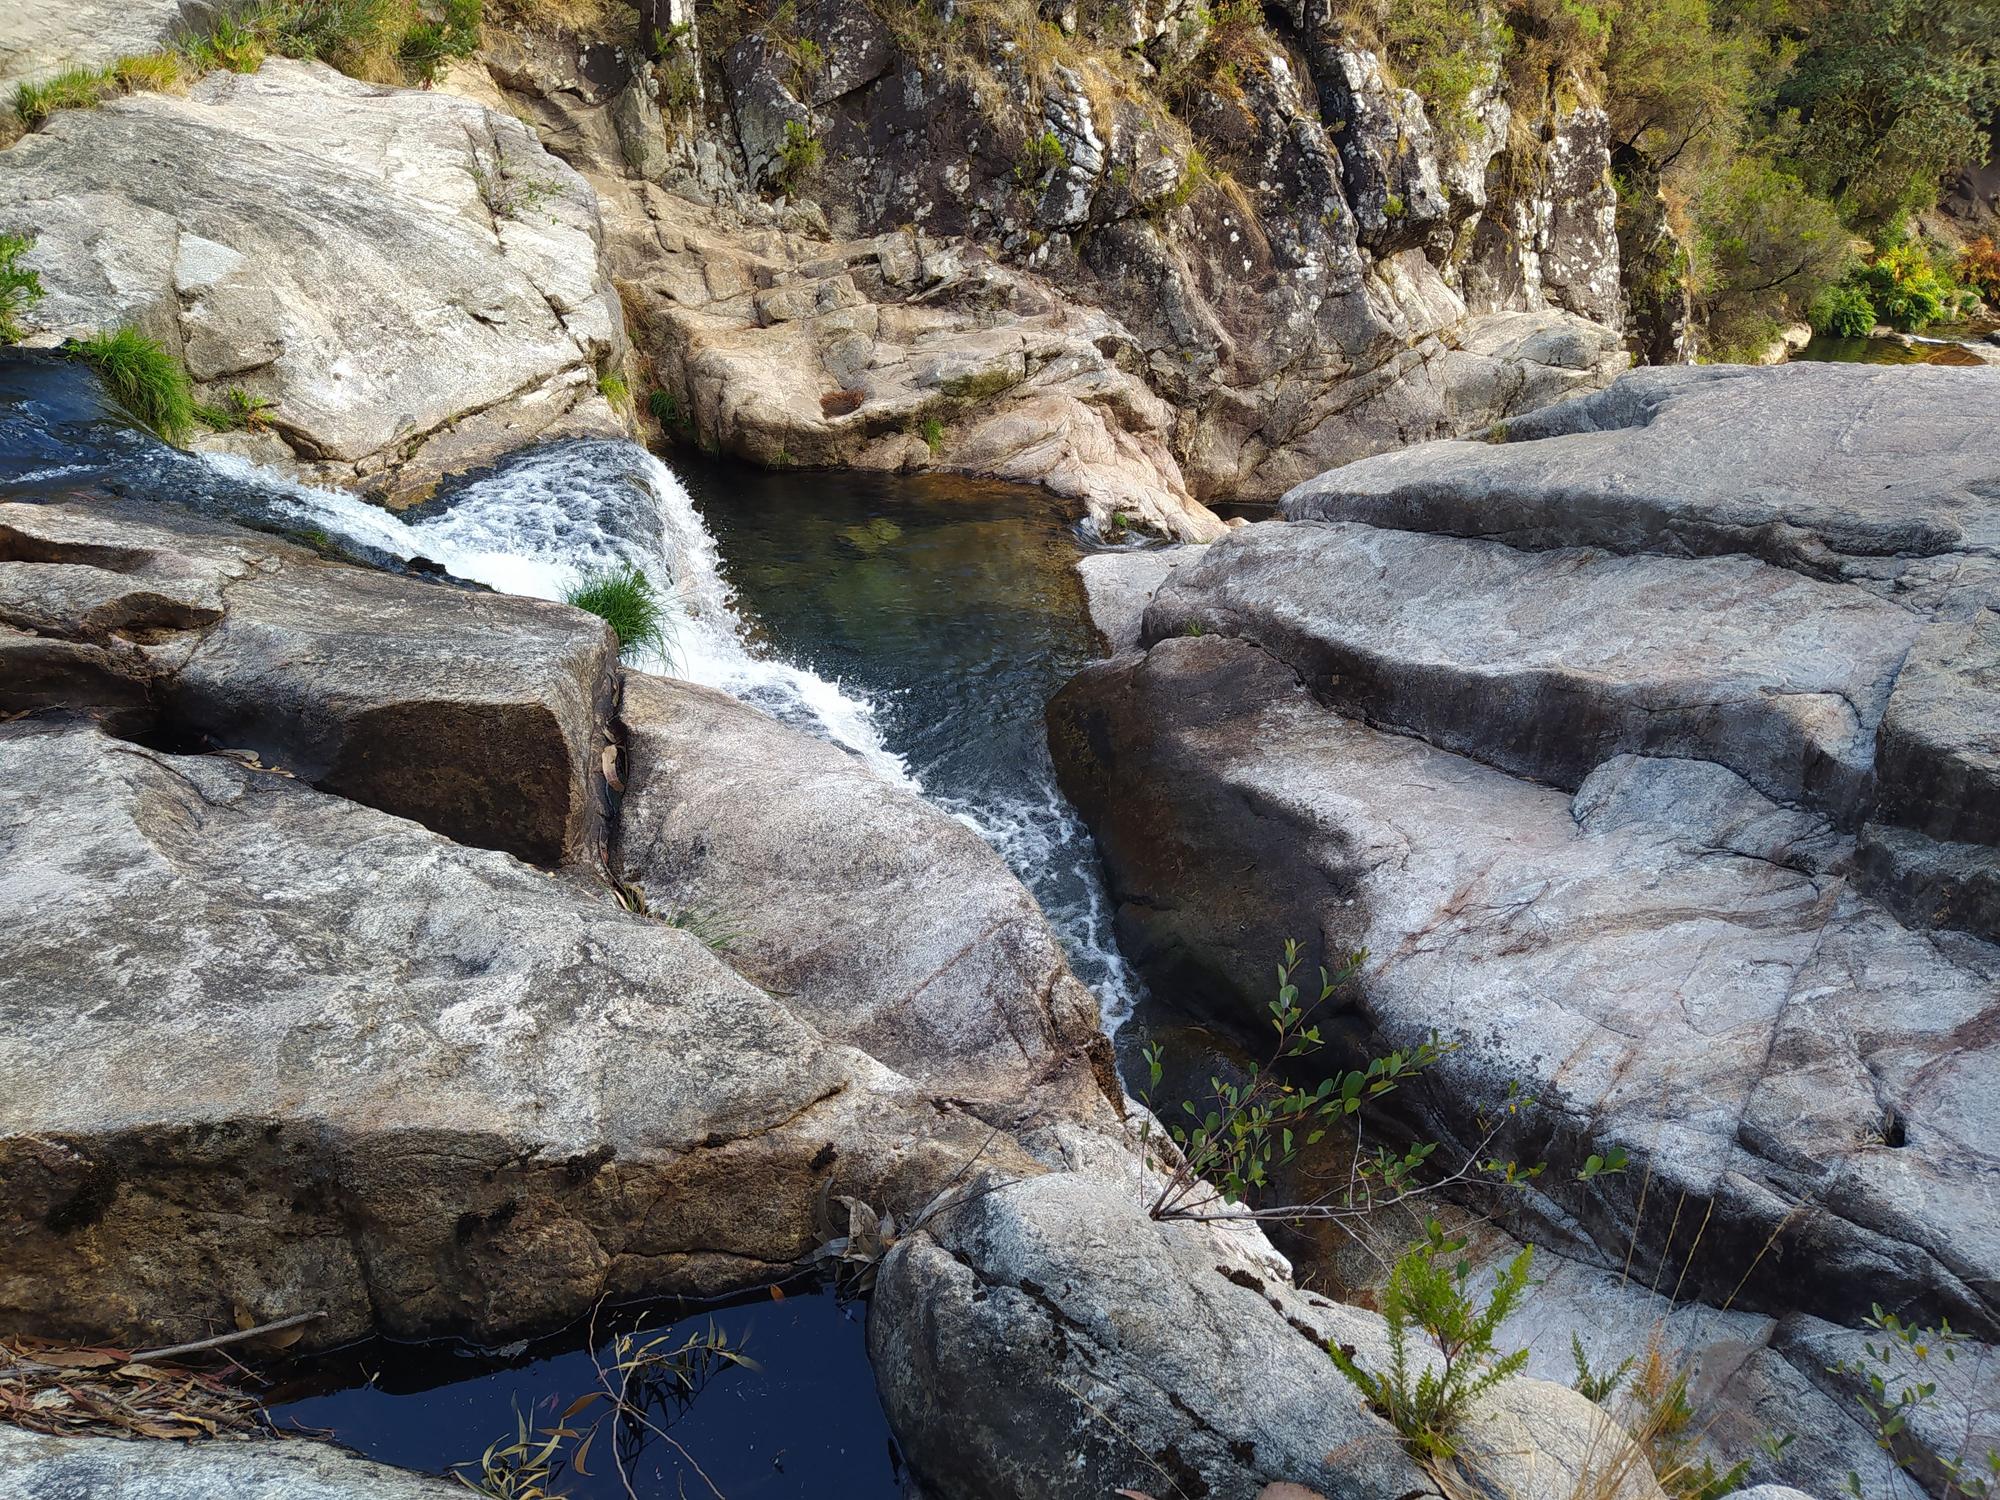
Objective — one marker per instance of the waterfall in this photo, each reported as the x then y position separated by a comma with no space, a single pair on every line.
539,521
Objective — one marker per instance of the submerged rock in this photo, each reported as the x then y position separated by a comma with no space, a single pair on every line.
409,278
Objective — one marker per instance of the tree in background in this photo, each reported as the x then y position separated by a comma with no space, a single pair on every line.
1892,98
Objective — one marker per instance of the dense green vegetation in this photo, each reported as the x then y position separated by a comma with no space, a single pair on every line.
1768,153
145,378
1787,145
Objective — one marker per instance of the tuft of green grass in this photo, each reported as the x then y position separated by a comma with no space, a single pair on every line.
73,88
144,378
20,287
149,72
611,386
239,411
623,598
932,432
231,43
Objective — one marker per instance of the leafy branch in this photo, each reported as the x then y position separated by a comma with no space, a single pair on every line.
1228,1151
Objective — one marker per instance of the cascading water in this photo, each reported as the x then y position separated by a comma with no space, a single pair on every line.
538,522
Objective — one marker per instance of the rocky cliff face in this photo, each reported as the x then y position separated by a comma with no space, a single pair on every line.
1147,259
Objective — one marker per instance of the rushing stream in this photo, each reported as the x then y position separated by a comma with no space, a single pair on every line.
921,624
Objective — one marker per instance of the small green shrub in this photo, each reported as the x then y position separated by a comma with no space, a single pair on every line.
798,157
239,411
1597,1385
230,43
20,287
611,386
1898,1380
428,44
144,378
1042,155
1426,1294
932,432
666,409
1393,206
624,599
73,88
1842,312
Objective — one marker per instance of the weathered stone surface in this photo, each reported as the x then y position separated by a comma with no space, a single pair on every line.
54,1468
1548,663
1884,478
479,715
1149,1356
1939,757
1754,1033
1118,586
883,921
317,1056
37,40
409,277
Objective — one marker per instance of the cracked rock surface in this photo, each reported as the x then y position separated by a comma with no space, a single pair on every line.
1649,754
407,276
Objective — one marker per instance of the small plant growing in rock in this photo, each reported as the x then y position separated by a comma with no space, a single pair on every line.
143,377
932,432
625,600
1898,1378
73,88
238,411
20,286
612,387
1393,206
798,157
1040,157
1428,1294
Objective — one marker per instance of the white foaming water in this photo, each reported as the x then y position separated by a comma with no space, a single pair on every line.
541,521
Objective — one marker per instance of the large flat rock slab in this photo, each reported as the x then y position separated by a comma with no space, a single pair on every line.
272,1049
888,923
483,716
409,278
1668,961
1547,663
1887,478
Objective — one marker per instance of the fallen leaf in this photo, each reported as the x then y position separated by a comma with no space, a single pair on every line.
611,775
80,1359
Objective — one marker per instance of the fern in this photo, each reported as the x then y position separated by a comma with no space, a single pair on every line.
1429,1295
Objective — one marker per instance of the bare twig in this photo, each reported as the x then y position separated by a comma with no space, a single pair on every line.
177,1351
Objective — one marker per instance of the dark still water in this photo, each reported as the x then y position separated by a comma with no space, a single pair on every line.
804,1424
952,606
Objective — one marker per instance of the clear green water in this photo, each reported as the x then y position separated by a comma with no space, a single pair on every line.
953,607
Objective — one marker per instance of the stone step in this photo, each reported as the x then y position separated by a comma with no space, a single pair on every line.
1548,663
1882,478
1667,962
